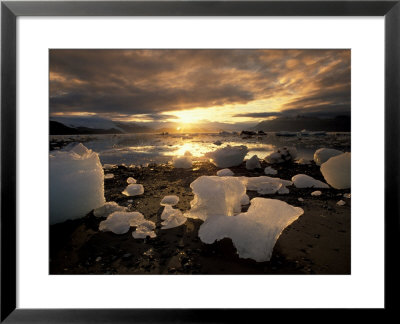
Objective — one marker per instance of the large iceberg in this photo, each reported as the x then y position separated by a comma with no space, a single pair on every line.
282,154
337,171
255,232
324,154
227,156
215,195
305,181
76,183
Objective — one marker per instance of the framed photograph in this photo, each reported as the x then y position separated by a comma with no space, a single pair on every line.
190,161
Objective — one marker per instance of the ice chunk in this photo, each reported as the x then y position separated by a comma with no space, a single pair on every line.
300,199
133,190
305,181
144,229
109,166
316,193
76,180
215,195
184,162
131,180
120,222
268,188
324,154
337,171
341,203
172,218
255,232
283,154
109,176
253,163
283,190
303,161
245,200
270,171
79,149
347,195
171,200
227,156
218,143
107,209
225,173
253,183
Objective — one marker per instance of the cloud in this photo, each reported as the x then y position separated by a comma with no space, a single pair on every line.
151,82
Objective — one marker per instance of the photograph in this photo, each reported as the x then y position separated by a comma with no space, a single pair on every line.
199,161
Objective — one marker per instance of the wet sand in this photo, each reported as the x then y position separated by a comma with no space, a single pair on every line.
317,243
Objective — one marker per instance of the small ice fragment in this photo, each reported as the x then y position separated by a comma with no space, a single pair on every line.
341,203
337,171
184,162
270,171
253,163
316,193
133,190
107,209
218,143
120,222
109,166
305,181
283,190
268,188
283,154
253,183
131,180
144,229
347,195
98,259
171,200
108,176
300,199
324,154
245,200
168,211
225,173
172,218
227,156
303,161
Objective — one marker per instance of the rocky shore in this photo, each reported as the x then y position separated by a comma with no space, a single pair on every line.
317,243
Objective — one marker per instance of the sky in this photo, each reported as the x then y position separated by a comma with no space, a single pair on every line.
199,86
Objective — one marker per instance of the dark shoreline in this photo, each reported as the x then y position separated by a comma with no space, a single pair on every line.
317,243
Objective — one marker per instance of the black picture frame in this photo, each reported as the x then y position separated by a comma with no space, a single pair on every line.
10,10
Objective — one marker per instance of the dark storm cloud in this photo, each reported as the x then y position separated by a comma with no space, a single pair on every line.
259,115
130,82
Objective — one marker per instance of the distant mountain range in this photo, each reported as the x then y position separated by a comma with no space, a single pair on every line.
97,125
92,125
296,124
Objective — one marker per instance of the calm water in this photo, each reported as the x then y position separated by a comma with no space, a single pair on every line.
140,149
